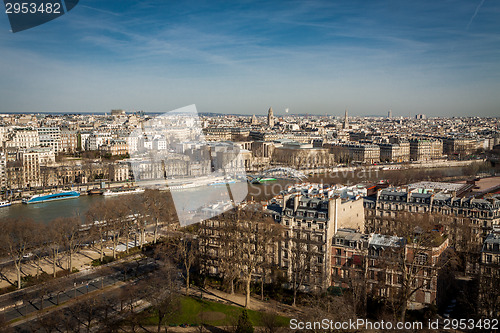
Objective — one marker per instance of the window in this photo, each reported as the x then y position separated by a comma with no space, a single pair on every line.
427,297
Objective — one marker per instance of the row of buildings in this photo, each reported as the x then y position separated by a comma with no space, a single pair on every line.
336,236
300,142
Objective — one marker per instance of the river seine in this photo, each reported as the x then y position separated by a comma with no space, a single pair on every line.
47,211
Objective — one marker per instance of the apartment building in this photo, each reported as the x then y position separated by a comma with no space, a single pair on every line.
114,148
301,156
30,168
50,137
479,214
461,146
310,215
383,264
69,140
3,169
489,275
395,152
364,153
96,140
420,150
360,153
23,138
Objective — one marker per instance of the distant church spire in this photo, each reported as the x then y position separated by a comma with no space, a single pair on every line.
270,117
346,120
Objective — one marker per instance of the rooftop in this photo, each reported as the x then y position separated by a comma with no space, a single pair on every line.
439,186
378,240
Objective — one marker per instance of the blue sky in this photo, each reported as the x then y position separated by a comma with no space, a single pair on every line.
318,57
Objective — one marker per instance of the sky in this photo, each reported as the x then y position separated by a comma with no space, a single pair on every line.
439,58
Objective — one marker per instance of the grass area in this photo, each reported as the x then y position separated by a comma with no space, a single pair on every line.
195,311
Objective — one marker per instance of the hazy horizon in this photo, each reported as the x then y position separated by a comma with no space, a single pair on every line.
315,57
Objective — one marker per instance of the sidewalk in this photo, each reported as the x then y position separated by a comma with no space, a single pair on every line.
82,260
239,300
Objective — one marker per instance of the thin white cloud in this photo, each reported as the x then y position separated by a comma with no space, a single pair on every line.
475,14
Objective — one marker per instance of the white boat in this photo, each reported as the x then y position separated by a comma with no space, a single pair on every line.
182,186
123,191
5,203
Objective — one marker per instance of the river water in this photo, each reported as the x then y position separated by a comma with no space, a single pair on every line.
47,211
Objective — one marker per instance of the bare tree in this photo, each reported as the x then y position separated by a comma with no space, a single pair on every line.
160,207
17,240
89,311
415,262
119,218
300,264
270,322
39,242
186,252
47,322
55,241
129,220
141,217
71,235
258,238
333,308
229,253
161,291
97,218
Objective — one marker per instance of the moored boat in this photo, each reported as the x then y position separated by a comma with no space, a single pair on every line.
123,191
229,181
39,198
95,191
5,203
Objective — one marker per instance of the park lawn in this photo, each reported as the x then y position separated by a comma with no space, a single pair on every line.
192,307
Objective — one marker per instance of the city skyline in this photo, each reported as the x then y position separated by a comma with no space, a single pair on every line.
312,58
